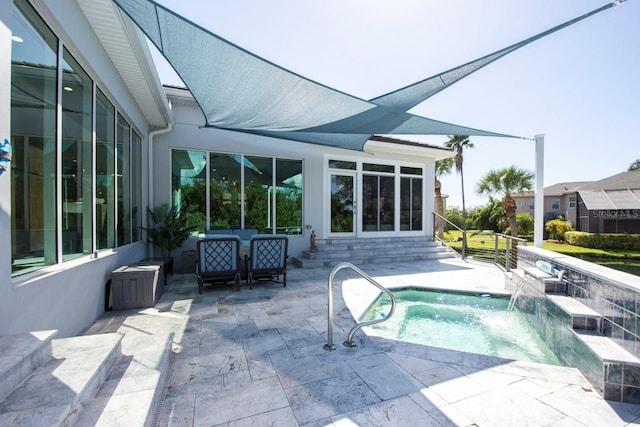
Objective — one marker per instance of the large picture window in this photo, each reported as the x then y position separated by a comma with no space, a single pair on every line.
105,172
77,155
251,192
34,86
123,185
53,179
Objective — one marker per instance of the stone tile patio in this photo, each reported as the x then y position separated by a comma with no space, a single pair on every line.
256,358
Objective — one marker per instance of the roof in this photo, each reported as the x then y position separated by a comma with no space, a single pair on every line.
563,188
560,189
611,199
621,181
629,180
127,48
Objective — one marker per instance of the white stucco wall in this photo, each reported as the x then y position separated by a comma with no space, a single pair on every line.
69,296
189,133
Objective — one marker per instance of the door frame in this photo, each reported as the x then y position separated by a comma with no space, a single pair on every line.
354,175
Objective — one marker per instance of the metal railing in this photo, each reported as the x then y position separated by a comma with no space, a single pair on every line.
349,342
499,249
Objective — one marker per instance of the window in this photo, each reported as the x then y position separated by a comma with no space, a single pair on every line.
532,204
53,177
519,203
572,201
77,156
189,186
555,203
410,203
370,167
411,198
258,194
105,173
136,186
33,135
123,184
288,196
378,207
264,193
225,190
342,164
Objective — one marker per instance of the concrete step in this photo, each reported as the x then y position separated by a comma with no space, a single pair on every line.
56,392
607,350
302,262
582,317
371,250
21,354
132,393
382,252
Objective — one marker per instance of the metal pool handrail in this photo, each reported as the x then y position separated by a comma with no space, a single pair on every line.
349,342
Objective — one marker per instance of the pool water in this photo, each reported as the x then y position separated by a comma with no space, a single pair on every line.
463,322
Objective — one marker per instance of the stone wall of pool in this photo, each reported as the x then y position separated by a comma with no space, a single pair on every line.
579,340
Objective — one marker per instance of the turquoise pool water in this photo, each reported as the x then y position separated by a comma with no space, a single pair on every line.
463,322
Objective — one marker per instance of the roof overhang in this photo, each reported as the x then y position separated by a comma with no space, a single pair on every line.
379,144
127,48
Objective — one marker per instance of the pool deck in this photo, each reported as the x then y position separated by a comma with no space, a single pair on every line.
256,358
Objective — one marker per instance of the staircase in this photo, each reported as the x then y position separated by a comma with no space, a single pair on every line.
103,379
372,250
574,332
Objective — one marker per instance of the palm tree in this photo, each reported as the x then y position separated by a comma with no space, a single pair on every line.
459,143
506,182
634,166
443,167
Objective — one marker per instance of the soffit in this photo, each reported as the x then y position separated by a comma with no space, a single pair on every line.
127,48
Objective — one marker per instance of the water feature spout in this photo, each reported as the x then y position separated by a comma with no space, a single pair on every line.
517,291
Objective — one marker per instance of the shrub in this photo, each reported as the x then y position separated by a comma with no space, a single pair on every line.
558,227
525,224
604,240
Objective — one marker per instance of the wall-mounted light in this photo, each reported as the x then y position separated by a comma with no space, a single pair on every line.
5,156
68,88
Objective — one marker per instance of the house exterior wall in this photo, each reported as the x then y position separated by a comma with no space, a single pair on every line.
551,208
189,134
67,296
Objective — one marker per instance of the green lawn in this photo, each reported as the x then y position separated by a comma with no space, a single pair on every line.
627,261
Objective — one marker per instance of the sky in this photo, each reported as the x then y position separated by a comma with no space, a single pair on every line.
580,87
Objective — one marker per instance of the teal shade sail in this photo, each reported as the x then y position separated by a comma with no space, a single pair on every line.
237,90
412,95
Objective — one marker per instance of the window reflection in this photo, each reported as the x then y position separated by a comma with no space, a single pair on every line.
188,186
242,191
77,109
33,134
105,173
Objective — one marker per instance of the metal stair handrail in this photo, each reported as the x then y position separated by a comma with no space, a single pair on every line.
349,342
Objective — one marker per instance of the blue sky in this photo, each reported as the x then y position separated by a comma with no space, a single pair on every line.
580,86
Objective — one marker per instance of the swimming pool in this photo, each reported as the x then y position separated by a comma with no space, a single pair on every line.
458,321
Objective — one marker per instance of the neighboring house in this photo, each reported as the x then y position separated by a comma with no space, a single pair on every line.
559,199
610,205
95,142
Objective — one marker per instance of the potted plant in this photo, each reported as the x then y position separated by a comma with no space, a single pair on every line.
168,228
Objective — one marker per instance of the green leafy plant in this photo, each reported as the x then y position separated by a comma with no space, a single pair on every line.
558,227
169,228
